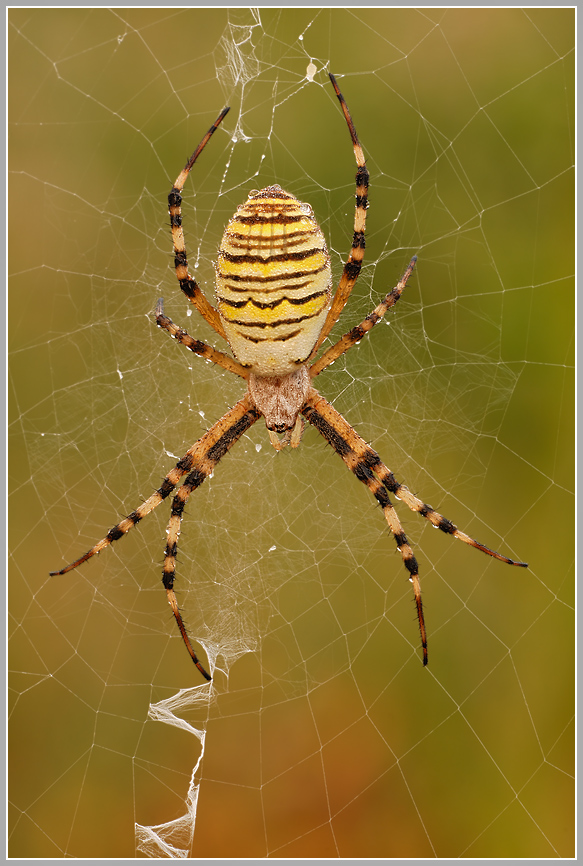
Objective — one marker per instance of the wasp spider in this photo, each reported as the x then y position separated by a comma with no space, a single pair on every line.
275,308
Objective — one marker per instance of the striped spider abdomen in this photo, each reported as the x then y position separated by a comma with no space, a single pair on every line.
273,282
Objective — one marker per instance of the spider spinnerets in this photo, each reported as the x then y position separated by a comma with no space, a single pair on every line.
275,308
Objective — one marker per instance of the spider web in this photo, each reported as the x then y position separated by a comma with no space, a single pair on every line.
322,735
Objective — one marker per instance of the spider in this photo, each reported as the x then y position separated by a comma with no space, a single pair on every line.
275,308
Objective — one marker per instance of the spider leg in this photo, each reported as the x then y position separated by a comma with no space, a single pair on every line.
187,282
184,465
120,529
217,442
368,468
196,346
357,333
415,504
348,444
354,262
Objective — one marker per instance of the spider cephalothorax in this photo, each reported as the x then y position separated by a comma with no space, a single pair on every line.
275,308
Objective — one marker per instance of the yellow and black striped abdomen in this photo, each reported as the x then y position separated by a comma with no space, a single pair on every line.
273,282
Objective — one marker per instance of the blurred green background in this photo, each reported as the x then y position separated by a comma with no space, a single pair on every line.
328,738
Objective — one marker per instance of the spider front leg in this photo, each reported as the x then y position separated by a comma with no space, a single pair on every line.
340,435
199,461
368,468
221,431
230,428
120,529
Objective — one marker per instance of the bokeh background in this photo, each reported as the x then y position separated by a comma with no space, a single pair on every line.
325,736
